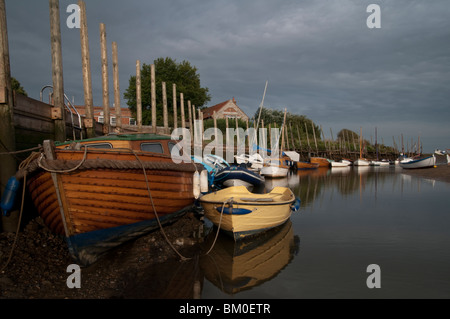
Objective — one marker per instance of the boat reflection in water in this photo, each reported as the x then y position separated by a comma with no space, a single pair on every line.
237,266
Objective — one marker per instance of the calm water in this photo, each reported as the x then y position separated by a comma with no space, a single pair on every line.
349,219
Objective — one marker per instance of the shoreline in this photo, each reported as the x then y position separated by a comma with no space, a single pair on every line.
440,172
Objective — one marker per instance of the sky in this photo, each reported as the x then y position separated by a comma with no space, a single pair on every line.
320,58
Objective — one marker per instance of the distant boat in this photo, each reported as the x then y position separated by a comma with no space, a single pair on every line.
379,163
253,161
342,163
361,162
103,191
241,213
322,161
307,165
426,162
274,168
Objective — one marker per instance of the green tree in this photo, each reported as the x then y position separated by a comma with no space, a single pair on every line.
167,70
16,86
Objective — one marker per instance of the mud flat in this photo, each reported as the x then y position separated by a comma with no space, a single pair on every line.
38,267
440,172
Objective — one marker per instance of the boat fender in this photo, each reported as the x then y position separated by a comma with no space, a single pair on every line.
196,184
9,195
296,205
204,181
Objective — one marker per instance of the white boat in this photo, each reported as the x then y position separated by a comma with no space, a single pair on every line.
342,163
379,163
274,168
254,161
429,161
361,162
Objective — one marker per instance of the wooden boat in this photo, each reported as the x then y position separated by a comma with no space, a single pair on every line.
322,161
426,162
241,213
97,194
307,165
274,168
237,176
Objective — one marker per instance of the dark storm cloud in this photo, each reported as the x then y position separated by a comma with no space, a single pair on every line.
319,57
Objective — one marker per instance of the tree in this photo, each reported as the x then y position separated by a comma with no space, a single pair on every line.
15,85
167,70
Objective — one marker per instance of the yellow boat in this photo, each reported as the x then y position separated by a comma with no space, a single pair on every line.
241,213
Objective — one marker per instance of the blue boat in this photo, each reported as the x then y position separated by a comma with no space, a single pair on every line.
237,175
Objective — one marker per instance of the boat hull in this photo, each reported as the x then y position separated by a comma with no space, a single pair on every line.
107,201
323,162
249,213
306,165
419,163
361,162
237,176
274,171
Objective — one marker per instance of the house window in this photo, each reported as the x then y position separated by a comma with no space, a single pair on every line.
101,119
113,120
132,121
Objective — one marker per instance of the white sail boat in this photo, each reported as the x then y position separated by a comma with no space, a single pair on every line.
361,161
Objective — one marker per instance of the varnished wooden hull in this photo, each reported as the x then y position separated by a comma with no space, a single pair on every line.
98,208
306,165
323,162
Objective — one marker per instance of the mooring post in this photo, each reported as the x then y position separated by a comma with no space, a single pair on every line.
57,72
7,131
105,81
153,91
117,108
86,67
138,96
189,107
165,115
174,102
183,123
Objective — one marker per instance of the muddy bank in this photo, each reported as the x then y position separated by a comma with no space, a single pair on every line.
38,266
439,173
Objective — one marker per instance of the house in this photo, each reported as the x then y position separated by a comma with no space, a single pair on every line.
125,114
227,109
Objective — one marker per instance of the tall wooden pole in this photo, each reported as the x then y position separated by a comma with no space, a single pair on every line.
117,108
190,116
8,164
153,92
165,115
57,72
105,80
86,67
174,98
183,123
138,96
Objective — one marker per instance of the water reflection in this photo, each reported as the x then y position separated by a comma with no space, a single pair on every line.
237,266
